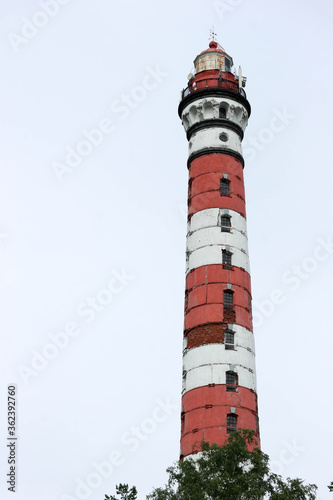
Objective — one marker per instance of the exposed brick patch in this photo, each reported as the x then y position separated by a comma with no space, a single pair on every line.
229,316
212,333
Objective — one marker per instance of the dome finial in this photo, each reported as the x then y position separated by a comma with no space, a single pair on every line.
213,44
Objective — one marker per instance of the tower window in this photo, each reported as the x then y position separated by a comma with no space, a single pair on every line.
222,112
228,299
229,340
227,64
226,259
225,223
231,381
225,187
231,423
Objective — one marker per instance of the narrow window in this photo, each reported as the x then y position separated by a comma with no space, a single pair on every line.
231,423
223,112
227,65
225,223
228,300
225,187
226,259
229,340
231,381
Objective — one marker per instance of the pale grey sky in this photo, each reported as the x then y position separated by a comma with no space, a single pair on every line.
93,243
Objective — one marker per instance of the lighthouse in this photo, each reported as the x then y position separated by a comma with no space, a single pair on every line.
219,380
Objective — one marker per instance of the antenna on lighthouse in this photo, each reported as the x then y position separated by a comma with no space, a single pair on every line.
240,78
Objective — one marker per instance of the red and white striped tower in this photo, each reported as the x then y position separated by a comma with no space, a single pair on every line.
219,381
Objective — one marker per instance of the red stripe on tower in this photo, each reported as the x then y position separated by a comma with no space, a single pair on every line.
219,381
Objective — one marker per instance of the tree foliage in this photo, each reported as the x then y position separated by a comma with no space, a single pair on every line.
230,472
124,493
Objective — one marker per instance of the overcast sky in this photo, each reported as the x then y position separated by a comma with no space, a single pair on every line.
93,233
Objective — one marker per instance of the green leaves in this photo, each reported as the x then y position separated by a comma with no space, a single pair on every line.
237,470
124,493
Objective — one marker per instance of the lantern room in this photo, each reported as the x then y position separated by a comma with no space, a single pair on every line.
213,58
